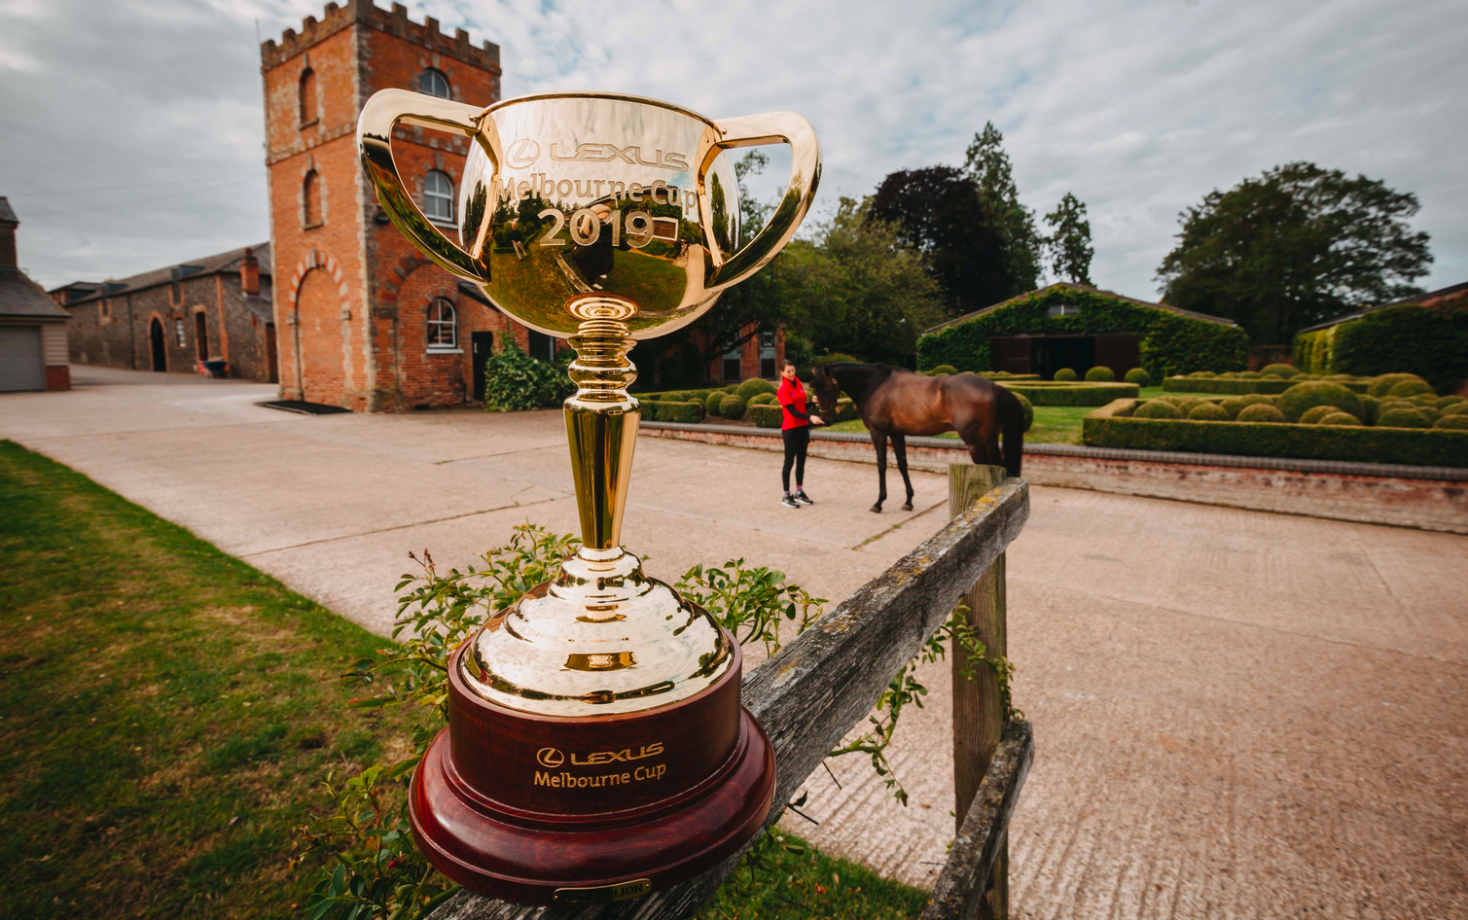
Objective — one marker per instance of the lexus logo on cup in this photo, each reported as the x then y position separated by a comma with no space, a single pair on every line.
549,756
522,153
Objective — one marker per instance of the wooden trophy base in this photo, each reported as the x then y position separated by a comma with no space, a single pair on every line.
554,810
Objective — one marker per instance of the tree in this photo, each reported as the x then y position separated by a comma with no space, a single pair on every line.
988,165
1295,246
1069,244
859,288
938,212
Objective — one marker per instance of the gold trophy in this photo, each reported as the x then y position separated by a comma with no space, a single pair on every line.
596,746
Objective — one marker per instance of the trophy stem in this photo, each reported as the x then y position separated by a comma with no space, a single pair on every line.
602,420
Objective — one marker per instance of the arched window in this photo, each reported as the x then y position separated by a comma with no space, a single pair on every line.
434,84
311,198
308,96
438,196
443,325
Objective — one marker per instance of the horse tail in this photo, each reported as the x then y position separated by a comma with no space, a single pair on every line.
1012,420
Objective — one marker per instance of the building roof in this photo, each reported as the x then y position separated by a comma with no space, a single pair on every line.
22,297
7,215
1442,297
223,262
1066,285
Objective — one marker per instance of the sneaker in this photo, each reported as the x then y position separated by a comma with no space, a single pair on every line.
789,501
804,499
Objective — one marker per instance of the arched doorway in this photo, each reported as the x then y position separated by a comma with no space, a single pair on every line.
323,358
155,338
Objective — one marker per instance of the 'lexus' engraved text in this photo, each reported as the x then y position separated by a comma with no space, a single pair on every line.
553,758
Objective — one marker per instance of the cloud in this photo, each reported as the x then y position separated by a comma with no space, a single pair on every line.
1139,108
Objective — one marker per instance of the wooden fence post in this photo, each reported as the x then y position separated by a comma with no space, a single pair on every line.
978,706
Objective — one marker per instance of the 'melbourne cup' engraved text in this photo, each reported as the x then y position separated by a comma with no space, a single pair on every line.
567,780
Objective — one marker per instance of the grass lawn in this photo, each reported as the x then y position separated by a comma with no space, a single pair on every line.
1053,425
166,712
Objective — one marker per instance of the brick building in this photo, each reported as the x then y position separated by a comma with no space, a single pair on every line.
32,328
170,319
369,323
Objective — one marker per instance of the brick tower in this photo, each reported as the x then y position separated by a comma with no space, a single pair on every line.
366,322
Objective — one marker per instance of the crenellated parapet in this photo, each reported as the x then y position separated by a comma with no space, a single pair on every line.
393,21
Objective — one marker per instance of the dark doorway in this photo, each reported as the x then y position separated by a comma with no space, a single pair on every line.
201,335
1011,354
272,354
1053,352
155,338
481,345
542,346
1118,351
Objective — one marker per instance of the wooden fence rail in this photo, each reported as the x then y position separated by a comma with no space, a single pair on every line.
826,680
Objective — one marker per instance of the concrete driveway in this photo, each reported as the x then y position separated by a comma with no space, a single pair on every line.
1237,714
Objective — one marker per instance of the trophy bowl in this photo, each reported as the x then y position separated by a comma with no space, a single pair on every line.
596,746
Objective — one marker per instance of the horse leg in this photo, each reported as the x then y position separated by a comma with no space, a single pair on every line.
879,441
899,447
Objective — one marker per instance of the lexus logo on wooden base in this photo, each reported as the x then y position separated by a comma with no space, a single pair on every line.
596,747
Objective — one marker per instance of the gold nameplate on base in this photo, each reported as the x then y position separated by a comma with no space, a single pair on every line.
602,893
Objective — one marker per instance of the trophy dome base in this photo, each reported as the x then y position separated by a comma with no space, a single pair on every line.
558,859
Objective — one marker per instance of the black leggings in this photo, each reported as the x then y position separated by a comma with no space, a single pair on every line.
796,441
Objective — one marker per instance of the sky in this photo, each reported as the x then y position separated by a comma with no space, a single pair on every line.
131,130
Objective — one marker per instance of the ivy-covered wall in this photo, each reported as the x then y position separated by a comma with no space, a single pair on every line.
1169,343
1407,339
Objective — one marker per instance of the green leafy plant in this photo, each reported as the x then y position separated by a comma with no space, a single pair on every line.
1100,374
515,382
1139,376
1065,374
732,408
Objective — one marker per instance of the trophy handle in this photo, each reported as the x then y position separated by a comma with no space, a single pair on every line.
805,174
374,141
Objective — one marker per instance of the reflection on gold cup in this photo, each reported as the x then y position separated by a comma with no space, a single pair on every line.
596,748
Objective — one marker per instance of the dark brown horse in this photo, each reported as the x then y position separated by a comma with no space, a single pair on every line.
895,402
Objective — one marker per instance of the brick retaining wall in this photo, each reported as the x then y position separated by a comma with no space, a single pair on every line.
1429,498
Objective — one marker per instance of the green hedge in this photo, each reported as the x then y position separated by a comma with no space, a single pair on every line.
764,415
1423,340
753,387
1169,343
1046,393
1413,447
1238,386
669,411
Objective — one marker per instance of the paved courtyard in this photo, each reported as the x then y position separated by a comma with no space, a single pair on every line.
1237,714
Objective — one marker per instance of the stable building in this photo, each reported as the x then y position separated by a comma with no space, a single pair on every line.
32,327
211,314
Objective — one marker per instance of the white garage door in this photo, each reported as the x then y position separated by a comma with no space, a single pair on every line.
20,359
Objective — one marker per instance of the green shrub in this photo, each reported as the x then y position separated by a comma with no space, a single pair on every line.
1456,422
514,381
1444,401
1423,399
833,358
759,399
1423,340
1028,408
1370,405
1456,409
1157,408
674,396
1208,412
1065,374
687,412
1402,418
732,408
846,410
1340,418
1250,375
1139,376
765,415
1233,405
1100,375
1187,404
1126,409
1235,386
1201,375
1382,385
1410,388
1279,370
711,405
1431,413
1294,401
943,370
753,387
1314,414
1047,393
1424,447
1262,413
1257,399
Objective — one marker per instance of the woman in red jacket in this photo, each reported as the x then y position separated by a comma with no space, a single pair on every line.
795,429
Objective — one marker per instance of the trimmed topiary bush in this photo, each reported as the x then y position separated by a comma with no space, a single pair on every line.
846,410
1234,405
1250,375
1455,422
1138,376
687,411
1261,412
712,403
943,370
1382,385
1409,388
1431,413
765,415
1370,405
1340,418
1294,401
753,387
1314,414
1029,410
1050,393
732,408
1279,370
759,399
1208,412
1100,375
1402,418
1456,409
1065,374
1157,408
